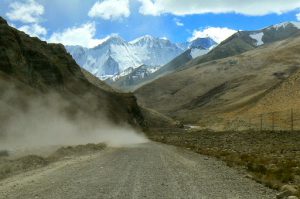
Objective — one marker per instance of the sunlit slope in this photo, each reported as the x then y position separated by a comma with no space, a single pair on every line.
221,86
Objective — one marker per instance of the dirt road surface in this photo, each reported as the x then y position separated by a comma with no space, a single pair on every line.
142,171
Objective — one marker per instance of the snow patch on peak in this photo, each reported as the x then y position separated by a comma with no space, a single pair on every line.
258,37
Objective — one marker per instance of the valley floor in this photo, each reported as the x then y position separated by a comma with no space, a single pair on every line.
148,170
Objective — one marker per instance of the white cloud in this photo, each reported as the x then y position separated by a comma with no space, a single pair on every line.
27,11
253,7
34,30
178,22
78,35
298,16
216,33
148,7
110,9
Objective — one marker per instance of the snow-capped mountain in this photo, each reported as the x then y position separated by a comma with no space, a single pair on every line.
115,55
107,59
201,46
154,51
141,75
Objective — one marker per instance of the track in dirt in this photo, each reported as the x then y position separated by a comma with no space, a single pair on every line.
143,171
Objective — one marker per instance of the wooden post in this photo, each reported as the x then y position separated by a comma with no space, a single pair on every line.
273,121
250,126
261,122
292,120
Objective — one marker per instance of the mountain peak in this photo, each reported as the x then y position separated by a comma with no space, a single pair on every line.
148,40
112,39
142,39
115,38
202,42
285,25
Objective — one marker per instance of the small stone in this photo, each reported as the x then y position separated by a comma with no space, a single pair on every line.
291,189
292,197
249,176
282,195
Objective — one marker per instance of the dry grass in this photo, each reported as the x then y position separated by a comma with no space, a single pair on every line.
270,158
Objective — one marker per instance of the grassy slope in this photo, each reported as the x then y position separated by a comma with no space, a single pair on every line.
221,86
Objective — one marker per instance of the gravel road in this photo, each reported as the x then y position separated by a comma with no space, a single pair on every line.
143,171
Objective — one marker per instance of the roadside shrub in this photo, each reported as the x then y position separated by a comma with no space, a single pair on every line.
4,153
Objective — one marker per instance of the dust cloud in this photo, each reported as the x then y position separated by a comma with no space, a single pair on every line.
43,121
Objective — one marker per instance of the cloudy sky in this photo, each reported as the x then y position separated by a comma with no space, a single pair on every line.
88,22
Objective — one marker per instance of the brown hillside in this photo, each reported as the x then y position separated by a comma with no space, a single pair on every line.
204,92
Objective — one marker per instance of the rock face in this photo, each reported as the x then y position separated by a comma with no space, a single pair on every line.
37,67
